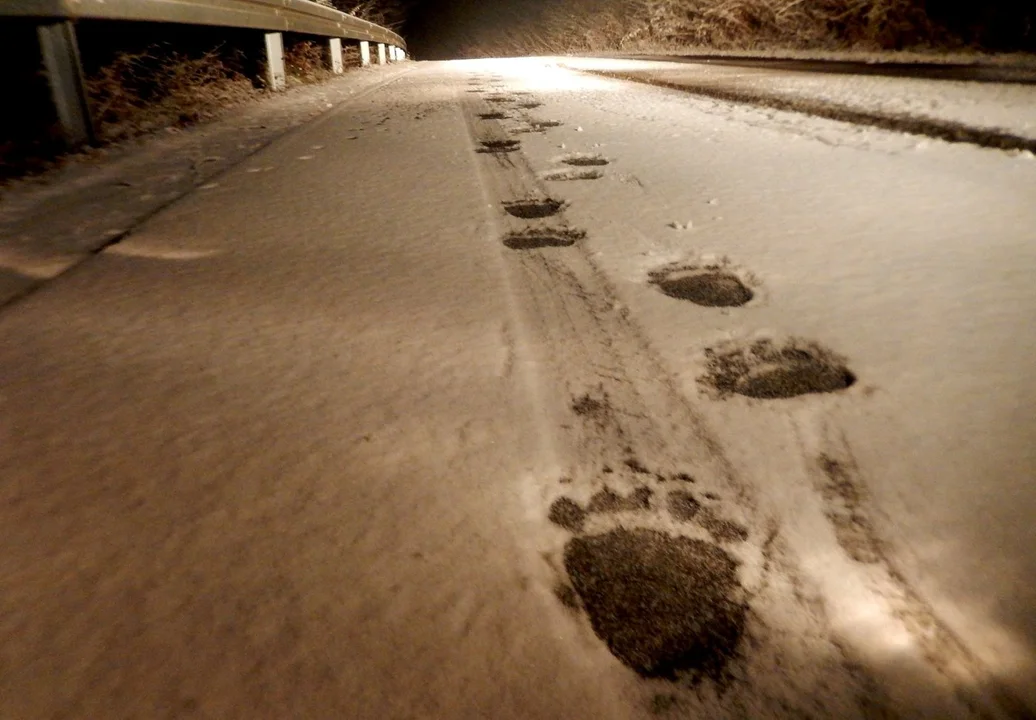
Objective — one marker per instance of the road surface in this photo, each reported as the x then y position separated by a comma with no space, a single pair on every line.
501,389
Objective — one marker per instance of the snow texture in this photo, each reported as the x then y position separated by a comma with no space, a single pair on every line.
318,441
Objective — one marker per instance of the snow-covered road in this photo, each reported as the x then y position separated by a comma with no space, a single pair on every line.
496,392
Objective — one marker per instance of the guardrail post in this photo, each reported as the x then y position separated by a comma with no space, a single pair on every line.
65,75
275,76
337,66
365,53
381,53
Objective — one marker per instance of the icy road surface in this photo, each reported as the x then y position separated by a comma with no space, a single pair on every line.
506,391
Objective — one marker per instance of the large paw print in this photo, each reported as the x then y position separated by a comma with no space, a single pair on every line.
665,603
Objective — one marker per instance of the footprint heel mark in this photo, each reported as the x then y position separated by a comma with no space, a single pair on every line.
767,370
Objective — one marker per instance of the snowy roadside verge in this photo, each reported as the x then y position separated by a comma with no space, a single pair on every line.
52,222
997,115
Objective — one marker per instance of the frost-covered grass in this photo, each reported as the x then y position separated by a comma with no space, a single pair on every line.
659,25
157,88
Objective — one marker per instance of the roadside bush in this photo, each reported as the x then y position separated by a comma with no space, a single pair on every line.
306,62
145,91
602,25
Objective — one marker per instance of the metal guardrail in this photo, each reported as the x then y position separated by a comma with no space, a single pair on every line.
56,29
299,16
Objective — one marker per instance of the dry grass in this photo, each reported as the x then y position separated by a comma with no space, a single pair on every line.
306,63
646,25
142,92
157,88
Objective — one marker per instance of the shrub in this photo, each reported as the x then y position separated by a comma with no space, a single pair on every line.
142,92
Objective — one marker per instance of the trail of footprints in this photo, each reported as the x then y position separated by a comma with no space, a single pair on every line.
647,559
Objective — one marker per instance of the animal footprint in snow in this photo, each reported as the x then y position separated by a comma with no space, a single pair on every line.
685,507
538,238
584,160
770,370
710,284
498,146
573,174
664,603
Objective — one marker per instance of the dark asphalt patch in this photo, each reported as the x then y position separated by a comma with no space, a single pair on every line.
533,209
711,289
661,604
768,371
499,146
535,238
609,501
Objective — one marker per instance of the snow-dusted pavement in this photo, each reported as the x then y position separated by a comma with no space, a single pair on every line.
366,427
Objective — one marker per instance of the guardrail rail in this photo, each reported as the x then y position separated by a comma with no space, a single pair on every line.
55,26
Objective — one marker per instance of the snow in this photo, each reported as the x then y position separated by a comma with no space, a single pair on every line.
991,106
50,223
288,448
915,265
